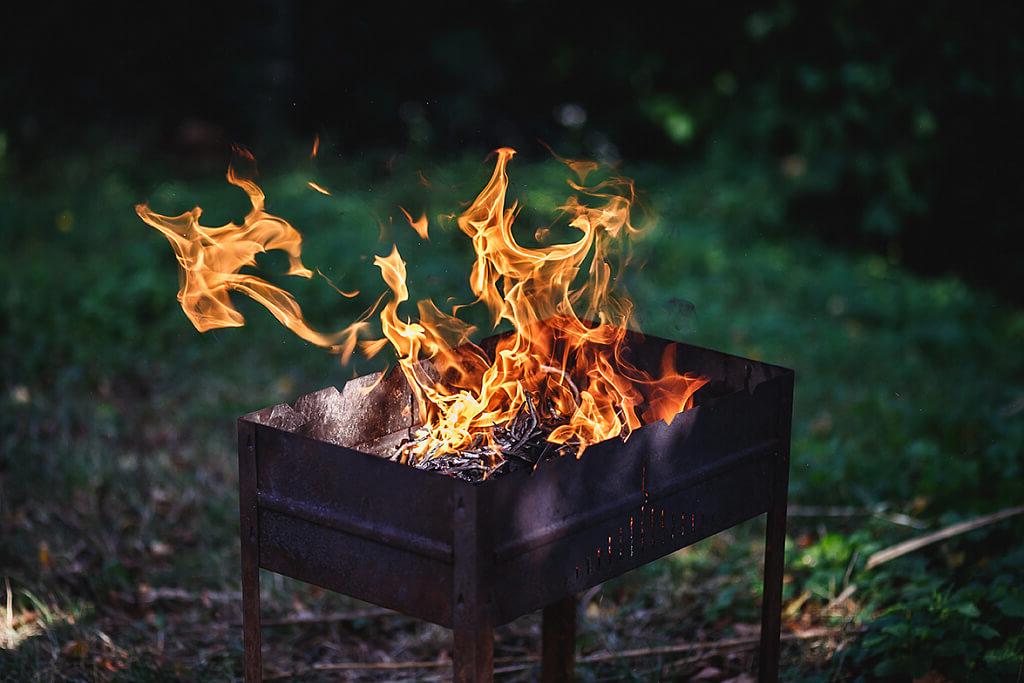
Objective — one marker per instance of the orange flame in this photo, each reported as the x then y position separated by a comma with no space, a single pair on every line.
554,357
210,261
565,357
419,225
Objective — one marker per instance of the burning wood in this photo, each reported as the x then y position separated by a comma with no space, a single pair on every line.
522,442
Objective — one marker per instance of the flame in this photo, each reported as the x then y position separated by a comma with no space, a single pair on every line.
319,188
565,361
210,261
555,360
419,225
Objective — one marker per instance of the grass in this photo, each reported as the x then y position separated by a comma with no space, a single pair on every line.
117,480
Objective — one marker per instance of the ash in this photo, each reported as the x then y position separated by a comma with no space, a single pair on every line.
519,444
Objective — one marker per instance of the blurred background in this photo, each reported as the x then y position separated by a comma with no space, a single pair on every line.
835,188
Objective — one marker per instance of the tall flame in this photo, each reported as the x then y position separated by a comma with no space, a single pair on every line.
565,357
554,358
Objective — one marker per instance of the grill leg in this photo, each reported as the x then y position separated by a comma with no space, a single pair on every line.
558,649
251,625
249,531
473,655
472,612
774,566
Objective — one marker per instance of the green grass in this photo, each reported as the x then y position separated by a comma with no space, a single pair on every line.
117,468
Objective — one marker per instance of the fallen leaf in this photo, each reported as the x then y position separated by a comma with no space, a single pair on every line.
75,649
44,555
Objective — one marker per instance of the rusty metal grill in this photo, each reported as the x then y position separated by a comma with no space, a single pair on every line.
316,507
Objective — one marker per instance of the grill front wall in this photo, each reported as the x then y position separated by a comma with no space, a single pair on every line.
629,538
574,524
385,533
366,570
355,523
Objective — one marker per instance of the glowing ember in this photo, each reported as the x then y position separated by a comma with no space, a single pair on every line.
420,225
558,382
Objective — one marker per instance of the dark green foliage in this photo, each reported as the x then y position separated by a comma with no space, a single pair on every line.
967,631
891,127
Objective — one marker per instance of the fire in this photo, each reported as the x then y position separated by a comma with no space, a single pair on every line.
420,225
565,362
210,260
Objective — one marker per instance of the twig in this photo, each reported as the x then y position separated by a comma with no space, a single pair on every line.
901,549
511,664
901,519
797,510
335,618
839,599
359,666
10,613
794,607
147,595
701,650
726,644
880,511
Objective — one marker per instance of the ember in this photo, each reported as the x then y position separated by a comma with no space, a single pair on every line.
521,441
554,386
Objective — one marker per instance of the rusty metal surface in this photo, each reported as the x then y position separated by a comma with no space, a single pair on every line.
558,641
397,536
775,545
356,523
472,593
249,530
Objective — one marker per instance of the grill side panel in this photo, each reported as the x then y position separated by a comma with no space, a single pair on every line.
355,523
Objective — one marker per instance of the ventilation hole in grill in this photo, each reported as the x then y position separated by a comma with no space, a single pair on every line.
631,535
622,538
643,533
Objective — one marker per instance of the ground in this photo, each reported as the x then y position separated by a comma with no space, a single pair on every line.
118,506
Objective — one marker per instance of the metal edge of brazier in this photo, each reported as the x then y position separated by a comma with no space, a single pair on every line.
389,534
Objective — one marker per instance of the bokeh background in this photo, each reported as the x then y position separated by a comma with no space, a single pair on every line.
832,187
